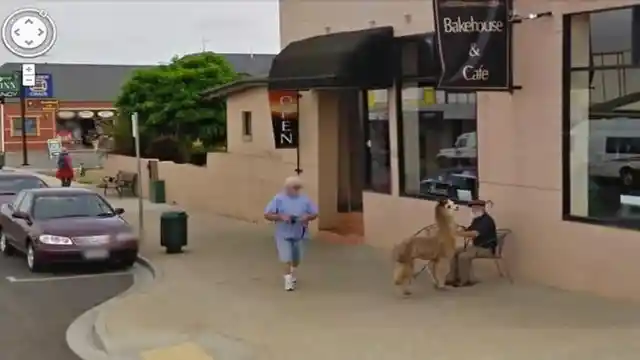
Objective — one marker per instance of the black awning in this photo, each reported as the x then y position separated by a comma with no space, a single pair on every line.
354,59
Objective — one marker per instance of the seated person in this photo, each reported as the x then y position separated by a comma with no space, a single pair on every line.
485,240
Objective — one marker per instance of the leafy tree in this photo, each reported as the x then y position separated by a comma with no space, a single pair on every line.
167,98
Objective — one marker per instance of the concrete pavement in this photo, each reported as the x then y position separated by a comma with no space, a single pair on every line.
223,299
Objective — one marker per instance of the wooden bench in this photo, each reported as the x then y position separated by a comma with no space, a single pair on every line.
123,181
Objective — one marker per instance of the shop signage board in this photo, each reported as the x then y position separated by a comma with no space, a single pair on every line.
284,119
40,105
54,146
474,40
43,87
9,85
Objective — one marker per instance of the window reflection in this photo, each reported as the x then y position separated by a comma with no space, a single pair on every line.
439,143
604,122
378,159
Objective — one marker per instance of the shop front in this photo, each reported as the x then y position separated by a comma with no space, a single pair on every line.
549,135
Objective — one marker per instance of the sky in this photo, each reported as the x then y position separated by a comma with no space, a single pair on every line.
152,31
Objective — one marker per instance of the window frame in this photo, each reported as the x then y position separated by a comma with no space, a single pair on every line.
422,82
566,141
18,133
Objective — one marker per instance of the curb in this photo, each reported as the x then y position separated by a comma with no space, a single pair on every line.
87,335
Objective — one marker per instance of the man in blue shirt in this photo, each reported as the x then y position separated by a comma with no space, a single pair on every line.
291,211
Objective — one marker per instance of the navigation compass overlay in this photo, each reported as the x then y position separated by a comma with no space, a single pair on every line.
29,32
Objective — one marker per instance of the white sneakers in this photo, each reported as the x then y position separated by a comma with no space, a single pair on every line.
289,282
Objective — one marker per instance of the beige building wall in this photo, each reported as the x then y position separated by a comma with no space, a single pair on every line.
301,19
519,144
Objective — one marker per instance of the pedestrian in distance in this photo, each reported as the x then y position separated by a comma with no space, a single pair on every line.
65,168
291,210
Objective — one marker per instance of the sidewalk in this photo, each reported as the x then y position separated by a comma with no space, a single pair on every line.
223,300
225,296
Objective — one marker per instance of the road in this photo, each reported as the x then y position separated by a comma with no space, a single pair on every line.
40,159
36,309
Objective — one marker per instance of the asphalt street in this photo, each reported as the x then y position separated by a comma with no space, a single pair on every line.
40,159
36,309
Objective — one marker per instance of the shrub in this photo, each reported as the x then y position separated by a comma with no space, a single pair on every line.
198,154
167,148
123,142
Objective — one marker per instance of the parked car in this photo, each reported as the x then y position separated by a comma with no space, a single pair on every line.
11,183
65,225
451,183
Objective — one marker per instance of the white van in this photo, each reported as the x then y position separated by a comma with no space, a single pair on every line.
614,149
465,147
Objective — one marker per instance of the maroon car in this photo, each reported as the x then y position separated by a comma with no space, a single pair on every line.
65,225
11,183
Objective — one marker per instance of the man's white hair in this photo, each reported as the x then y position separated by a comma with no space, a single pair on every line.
292,181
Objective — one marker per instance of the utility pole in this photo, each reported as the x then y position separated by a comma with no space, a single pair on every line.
23,120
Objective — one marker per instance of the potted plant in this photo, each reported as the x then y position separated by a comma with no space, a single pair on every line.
198,153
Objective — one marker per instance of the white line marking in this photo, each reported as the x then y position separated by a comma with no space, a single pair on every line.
13,279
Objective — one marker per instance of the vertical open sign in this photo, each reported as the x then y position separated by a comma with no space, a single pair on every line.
284,119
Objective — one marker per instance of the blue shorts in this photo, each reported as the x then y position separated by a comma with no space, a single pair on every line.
290,250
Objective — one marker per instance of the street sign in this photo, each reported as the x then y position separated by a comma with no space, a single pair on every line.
134,125
9,85
54,146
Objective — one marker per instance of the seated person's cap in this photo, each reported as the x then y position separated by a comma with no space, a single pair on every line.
477,203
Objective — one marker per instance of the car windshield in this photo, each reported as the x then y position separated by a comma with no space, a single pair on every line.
11,186
73,205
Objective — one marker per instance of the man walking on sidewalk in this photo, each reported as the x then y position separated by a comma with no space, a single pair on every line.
291,211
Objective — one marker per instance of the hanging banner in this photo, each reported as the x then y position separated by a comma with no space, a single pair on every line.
284,118
474,40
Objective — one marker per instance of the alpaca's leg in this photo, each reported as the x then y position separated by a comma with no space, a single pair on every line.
440,271
402,274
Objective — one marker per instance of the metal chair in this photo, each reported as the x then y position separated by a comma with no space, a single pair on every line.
497,258
429,230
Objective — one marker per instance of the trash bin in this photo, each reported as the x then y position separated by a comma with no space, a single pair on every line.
157,191
2,159
173,231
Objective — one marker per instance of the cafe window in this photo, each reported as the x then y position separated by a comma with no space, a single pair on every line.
438,143
31,125
601,120
377,147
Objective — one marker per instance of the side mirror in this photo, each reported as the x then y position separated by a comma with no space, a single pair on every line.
22,215
119,211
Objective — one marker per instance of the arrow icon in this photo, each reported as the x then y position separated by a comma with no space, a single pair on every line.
28,42
40,32
28,21
17,32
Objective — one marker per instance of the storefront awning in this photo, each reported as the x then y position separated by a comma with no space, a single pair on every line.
354,59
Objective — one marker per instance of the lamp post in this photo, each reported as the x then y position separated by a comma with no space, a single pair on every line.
23,121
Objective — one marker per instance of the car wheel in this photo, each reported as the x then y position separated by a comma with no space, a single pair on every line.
5,248
32,259
128,262
626,177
